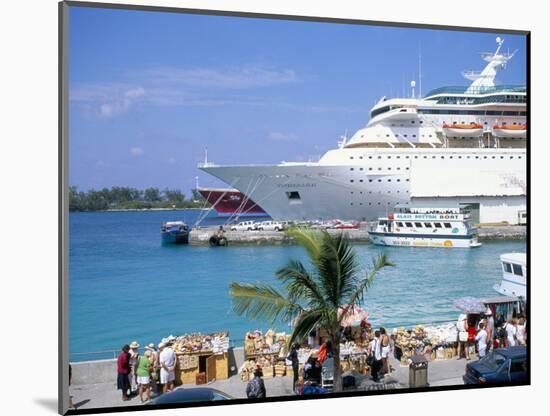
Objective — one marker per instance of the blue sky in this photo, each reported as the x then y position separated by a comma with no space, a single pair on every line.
149,91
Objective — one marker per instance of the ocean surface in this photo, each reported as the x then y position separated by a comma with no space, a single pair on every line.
125,285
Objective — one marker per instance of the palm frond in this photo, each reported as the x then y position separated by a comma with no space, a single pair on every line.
378,264
261,301
304,324
300,284
309,239
337,267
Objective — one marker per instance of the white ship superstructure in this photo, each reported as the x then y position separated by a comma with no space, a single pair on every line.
457,145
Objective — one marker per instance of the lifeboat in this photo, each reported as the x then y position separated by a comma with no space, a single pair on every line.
463,130
517,131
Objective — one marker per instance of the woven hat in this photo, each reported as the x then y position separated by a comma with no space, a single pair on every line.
134,344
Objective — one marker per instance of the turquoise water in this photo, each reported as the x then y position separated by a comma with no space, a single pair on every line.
124,285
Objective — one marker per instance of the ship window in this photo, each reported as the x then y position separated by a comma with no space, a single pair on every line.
409,224
360,157
399,180
433,157
370,157
379,168
407,180
389,180
370,168
370,180
293,195
351,180
389,168
502,157
437,224
484,157
416,157
442,157
418,224
351,157
360,180
447,224
351,169
379,180
389,157
507,267
379,157
360,203
427,225
517,269
352,192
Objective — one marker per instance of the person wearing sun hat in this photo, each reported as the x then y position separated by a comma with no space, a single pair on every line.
167,361
156,366
134,357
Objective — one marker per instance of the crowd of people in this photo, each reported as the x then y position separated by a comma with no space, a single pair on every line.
138,374
483,335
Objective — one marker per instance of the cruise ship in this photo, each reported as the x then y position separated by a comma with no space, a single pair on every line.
462,146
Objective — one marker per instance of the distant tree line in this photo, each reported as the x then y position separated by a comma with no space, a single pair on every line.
119,197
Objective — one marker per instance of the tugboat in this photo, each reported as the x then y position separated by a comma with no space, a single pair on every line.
174,232
514,275
425,227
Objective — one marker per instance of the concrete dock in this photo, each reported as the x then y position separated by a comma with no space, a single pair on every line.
88,393
201,236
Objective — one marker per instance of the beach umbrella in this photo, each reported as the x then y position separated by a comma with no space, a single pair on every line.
469,304
354,316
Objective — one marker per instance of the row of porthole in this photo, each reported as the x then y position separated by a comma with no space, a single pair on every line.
388,168
379,180
370,203
380,192
442,157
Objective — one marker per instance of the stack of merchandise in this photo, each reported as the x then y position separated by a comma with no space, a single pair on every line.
435,342
246,371
411,342
255,343
217,343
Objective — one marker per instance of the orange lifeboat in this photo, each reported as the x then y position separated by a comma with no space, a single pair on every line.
463,130
516,131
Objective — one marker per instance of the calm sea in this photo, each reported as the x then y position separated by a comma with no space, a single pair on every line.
125,285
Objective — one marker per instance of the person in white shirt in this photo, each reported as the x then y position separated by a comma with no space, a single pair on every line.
167,367
481,339
520,331
511,332
490,328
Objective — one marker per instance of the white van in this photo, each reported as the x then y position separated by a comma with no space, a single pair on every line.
271,226
244,226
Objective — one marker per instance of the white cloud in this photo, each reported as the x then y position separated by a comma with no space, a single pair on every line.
244,77
281,136
107,100
137,151
174,86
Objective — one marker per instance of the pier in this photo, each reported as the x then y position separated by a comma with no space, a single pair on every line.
201,236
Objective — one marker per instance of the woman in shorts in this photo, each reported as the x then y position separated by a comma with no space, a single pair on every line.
144,369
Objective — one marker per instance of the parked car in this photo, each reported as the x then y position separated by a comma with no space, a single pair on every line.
200,394
244,226
271,226
503,365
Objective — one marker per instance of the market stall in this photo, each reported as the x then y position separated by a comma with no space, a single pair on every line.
267,351
201,358
434,342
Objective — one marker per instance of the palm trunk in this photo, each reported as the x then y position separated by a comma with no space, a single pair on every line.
337,367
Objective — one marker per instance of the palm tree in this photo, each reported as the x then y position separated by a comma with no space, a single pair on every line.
311,298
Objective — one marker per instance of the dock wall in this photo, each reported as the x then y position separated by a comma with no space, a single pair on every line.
201,236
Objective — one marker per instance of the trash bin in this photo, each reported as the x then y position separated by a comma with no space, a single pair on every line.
418,372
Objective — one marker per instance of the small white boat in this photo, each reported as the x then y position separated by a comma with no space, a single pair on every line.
425,227
514,275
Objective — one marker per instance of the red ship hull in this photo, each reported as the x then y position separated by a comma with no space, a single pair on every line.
228,202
